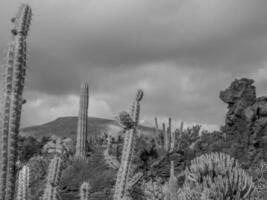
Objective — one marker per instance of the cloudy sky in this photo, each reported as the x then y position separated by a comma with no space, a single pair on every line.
180,52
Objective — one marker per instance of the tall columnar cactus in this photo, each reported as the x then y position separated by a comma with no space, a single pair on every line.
171,136
181,127
85,191
23,183
15,71
53,179
156,123
124,173
54,171
82,122
173,184
166,138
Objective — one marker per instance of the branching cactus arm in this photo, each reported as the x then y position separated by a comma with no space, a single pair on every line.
112,161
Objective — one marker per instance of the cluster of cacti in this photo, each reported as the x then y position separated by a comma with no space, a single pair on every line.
85,191
167,139
53,179
81,143
258,172
14,78
155,189
125,171
23,183
217,176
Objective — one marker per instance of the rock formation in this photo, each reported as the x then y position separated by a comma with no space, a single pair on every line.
246,119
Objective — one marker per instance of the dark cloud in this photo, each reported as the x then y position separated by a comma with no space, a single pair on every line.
181,52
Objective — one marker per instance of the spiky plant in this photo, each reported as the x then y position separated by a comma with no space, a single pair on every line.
54,171
173,184
125,171
155,190
82,123
53,179
85,191
217,176
14,78
51,193
23,183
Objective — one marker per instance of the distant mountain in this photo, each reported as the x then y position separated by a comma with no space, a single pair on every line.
67,127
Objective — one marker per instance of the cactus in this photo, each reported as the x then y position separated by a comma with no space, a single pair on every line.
15,70
173,184
85,191
181,127
82,123
171,136
156,123
111,160
218,176
124,173
51,193
54,171
23,183
135,179
155,190
166,138
53,179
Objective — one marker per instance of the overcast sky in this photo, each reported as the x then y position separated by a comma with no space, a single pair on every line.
180,52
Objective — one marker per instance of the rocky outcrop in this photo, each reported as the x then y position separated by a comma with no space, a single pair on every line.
246,119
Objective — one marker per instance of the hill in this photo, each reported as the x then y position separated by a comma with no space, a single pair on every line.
67,127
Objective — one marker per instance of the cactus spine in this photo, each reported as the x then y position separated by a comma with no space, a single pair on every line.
23,184
82,122
53,179
85,191
124,173
15,69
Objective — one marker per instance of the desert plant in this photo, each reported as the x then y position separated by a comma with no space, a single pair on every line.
54,171
15,70
23,183
259,173
82,123
155,189
217,176
51,193
53,178
173,184
125,171
85,191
